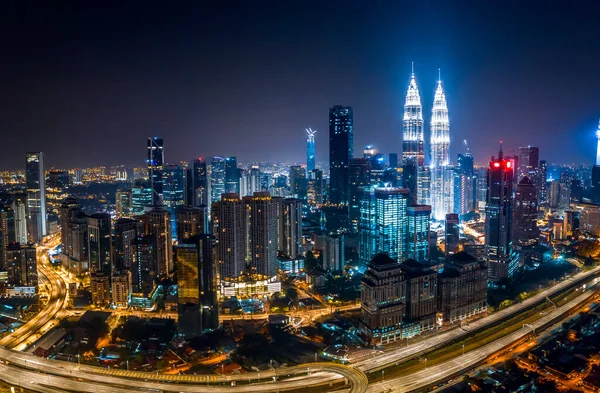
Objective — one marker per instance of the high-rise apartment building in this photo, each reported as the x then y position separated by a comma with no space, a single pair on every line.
290,227
121,288
100,243
143,270
158,224
333,253
262,215
155,163
7,232
126,231
228,220
100,287
341,151
35,185
197,307
21,266
498,219
314,190
18,203
191,221
417,232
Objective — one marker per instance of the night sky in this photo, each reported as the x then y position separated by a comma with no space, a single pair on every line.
88,82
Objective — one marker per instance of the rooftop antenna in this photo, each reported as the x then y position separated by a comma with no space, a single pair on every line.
439,75
500,155
466,145
413,68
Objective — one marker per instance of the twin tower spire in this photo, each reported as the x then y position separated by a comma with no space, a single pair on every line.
431,189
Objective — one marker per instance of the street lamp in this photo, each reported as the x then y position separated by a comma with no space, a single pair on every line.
425,363
463,349
382,375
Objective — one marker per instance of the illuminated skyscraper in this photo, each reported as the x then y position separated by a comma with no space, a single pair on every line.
298,183
528,163
412,126
262,226
197,306
155,162
100,243
35,184
417,232
542,183
228,220
498,219
123,203
391,222
290,227
359,170
525,230
217,178
315,188
341,151
451,234
465,185
191,221
310,150
126,231
158,224
21,266
232,176
596,171
441,179
200,183
173,191
141,197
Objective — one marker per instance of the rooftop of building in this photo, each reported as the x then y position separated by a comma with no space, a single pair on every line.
413,268
383,261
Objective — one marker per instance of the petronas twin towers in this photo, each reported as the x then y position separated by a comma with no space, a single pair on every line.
434,182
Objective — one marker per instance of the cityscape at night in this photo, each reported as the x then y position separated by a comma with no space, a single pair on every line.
321,196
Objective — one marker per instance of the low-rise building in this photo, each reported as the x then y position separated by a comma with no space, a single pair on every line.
462,288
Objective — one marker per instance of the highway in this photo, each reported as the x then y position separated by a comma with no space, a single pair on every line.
46,375
397,354
460,364
56,303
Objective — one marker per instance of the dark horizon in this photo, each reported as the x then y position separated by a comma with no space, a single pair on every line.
246,79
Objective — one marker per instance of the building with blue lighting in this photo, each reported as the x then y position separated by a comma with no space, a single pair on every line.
417,234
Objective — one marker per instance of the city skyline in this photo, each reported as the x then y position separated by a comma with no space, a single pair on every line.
80,91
